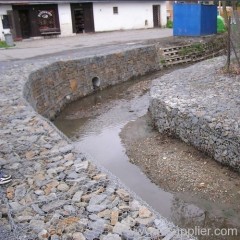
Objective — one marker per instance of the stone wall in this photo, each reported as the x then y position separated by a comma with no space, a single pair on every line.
52,87
200,105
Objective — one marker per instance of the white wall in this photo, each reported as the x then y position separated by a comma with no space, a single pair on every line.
65,19
131,15
3,11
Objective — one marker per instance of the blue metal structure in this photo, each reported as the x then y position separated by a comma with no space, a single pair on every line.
191,19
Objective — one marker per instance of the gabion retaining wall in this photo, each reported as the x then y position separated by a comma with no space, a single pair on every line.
201,106
52,87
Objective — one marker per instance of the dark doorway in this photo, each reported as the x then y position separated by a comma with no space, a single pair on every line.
82,17
79,20
24,23
88,17
156,16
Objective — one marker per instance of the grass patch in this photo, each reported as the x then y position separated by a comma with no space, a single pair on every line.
193,49
162,61
3,44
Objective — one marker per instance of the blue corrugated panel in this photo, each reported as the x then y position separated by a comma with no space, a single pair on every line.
208,19
190,19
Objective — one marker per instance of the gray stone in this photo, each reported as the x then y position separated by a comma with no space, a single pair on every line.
115,202
61,176
69,208
23,218
39,192
129,221
96,208
123,194
63,187
97,199
67,236
163,226
145,221
91,234
111,236
78,236
20,192
73,175
13,166
55,219
55,237
16,207
119,228
77,196
135,205
93,217
53,205
37,225
81,166
3,162
131,235
66,149
154,233
36,208
50,197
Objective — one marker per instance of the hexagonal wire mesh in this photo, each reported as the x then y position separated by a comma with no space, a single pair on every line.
234,41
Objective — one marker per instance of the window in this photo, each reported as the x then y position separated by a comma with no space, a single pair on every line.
46,19
5,22
115,10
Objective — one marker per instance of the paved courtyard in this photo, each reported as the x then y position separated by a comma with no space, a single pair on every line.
81,43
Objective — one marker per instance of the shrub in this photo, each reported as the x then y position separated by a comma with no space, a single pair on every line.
169,24
221,28
3,44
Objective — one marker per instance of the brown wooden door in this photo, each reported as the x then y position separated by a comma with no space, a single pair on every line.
156,16
88,17
14,24
25,23
82,17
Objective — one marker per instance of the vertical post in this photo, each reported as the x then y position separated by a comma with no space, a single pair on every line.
219,8
229,43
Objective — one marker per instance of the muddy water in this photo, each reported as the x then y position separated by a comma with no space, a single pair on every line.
95,122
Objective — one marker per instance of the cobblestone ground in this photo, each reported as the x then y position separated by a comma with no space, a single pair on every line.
57,193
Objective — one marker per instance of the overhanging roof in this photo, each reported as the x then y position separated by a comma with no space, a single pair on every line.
22,2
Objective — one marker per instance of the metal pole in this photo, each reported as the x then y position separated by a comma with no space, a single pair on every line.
229,44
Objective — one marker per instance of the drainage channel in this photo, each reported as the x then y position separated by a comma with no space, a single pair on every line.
95,124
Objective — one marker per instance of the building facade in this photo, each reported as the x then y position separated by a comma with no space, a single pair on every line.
35,18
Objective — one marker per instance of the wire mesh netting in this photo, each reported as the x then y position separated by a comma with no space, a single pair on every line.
234,40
